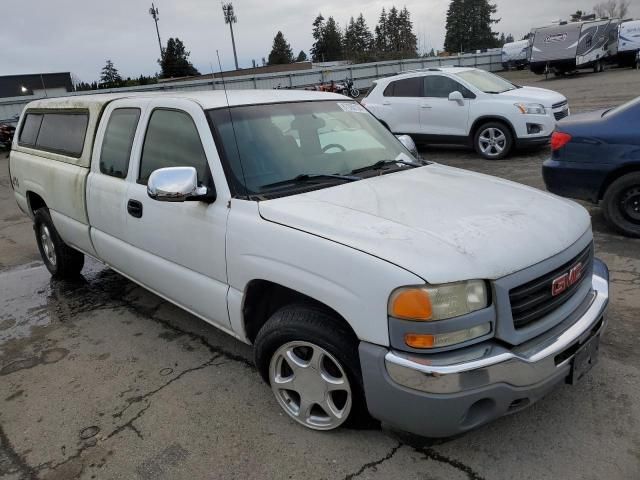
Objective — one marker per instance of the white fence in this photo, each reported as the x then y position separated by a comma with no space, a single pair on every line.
362,74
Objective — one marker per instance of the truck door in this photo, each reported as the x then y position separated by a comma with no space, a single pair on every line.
107,185
178,249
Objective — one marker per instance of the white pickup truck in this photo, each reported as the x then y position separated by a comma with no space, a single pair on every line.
367,280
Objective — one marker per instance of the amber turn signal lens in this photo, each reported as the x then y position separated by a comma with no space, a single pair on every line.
411,304
415,340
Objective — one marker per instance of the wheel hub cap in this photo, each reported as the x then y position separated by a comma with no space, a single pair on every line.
310,385
47,245
492,142
631,204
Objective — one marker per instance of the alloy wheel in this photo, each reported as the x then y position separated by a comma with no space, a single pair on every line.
492,141
310,385
47,245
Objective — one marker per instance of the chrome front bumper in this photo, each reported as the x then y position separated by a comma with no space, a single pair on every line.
526,364
444,394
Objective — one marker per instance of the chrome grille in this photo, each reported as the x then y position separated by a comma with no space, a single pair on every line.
535,299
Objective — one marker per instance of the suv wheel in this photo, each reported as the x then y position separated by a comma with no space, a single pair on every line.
311,362
61,260
493,141
621,204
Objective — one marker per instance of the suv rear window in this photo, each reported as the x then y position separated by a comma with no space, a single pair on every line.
59,132
409,87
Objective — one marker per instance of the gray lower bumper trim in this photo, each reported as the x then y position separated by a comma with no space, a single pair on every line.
442,395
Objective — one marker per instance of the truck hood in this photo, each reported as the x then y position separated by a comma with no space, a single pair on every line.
534,95
440,223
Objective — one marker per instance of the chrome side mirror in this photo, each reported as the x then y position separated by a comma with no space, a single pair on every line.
456,97
409,144
176,184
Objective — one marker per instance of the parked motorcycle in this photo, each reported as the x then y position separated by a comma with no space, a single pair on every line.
6,135
348,88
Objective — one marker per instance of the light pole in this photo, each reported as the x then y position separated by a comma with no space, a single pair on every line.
230,18
154,12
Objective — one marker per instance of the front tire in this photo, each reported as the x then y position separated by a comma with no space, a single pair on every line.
310,359
621,205
61,260
355,93
493,141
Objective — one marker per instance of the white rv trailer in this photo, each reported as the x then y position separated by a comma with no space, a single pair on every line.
515,54
628,42
566,47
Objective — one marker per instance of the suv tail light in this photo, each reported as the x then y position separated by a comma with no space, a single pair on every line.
559,140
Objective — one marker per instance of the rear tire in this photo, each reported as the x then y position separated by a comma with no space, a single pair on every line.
493,141
621,205
282,346
61,260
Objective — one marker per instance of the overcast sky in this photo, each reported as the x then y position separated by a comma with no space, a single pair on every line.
78,36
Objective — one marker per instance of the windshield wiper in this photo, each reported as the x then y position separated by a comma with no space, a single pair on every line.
308,177
383,163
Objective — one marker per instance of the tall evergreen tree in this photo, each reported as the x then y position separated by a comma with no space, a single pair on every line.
302,57
381,34
332,38
175,61
358,40
394,35
318,50
469,25
280,51
110,78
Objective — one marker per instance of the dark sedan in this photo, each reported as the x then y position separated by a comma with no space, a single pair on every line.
596,157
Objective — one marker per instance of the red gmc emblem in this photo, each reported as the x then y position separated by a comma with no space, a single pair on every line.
563,282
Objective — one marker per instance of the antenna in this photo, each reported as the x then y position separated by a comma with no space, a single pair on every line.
233,128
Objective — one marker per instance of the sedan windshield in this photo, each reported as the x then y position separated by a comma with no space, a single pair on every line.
288,145
486,82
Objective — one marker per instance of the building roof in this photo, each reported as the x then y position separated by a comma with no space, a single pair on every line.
11,85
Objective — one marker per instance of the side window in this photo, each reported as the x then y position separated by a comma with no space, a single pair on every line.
438,86
63,133
30,129
409,87
117,142
172,140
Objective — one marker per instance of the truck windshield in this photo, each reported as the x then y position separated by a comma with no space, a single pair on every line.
486,82
276,147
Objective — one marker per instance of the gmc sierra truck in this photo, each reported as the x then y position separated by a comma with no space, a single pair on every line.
368,281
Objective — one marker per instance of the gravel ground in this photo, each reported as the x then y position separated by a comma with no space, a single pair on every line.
101,379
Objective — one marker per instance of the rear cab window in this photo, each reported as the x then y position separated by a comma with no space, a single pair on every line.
117,142
60,132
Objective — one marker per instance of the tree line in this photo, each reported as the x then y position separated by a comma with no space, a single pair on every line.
392,38
174,63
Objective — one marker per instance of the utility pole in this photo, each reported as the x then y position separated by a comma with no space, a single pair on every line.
230,18
154,12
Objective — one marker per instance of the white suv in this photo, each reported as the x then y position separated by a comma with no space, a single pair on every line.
466,106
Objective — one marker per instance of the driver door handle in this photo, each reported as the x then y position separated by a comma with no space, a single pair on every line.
425,105
386,103
134,207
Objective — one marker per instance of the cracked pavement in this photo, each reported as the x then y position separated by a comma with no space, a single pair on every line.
100,379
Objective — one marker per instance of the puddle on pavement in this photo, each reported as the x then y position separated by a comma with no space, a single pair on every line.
30,298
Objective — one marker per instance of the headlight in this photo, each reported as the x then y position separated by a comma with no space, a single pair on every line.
438,302
531,108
